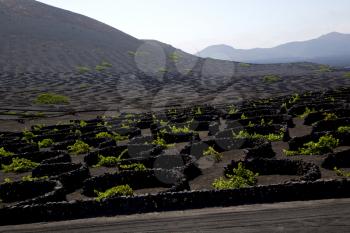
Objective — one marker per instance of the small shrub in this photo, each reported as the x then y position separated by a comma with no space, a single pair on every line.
163,70
271,137
271,78
174,57
100,68
30,178
106,64
329,116
251,125
232,110
121,190
294,98
198,111
134,167
38,127
51,98
243,117
347,75
341,172
324,69
79,147
7,180
244,65
324,145
28,136
125,126
45,143
82,124
307,112
212,152
110,161
343,129
241,178
161,142
117,137
177,130
103,135
19,165
83,69
4,153
263,123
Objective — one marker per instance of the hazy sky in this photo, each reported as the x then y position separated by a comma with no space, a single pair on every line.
192,25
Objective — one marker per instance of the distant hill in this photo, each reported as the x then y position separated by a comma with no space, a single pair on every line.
332,49
36,37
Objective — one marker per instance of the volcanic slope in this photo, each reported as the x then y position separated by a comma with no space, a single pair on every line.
36,37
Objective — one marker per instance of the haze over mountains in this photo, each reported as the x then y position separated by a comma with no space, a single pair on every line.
36,37
332,49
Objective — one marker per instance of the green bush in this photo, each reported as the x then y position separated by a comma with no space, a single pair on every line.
79,147
343,129
244,65
212,152
341,172
30,178
38,127
4,153
100,68
198,111
347,75
307,112
241,178
104,135
28,136
7,180
324,69
324,145
121,190
82,124
294,98
51,98
270,137
329,116
107,161
263,123
19,165
134,167
117,137
161,142
271,78
174,57
83,69
106,64
232,110
177,130
45,143
110,161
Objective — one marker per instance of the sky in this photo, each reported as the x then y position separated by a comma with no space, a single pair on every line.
192,25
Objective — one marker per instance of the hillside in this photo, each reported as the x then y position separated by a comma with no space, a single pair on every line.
41,48
332,49
36,37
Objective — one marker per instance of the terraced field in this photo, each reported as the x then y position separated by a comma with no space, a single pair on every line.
285,148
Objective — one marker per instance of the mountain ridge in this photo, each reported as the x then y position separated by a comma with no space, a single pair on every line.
330,46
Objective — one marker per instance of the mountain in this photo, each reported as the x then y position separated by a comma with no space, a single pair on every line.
36,37
331,49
